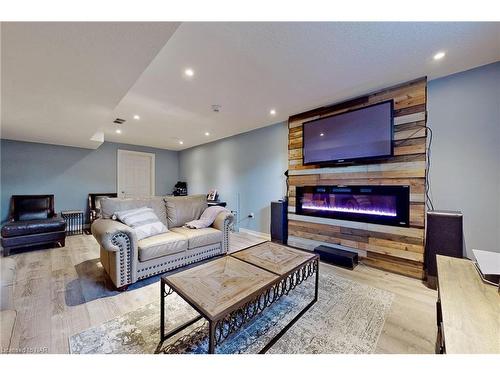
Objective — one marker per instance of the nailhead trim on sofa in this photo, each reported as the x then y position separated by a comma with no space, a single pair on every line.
210,252
122,241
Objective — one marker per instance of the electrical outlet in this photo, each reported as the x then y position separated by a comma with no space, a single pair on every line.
251,215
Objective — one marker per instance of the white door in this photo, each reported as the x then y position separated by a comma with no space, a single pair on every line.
136,174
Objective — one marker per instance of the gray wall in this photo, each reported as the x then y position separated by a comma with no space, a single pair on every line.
71,173
464,113
250,165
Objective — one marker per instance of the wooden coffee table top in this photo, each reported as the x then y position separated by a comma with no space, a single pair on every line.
220,285
276,258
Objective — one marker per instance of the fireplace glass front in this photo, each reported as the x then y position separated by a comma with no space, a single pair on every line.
387,205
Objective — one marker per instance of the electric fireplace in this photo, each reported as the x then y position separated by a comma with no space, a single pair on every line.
387,205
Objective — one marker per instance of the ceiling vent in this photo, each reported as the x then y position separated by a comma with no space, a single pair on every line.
216,108
118,121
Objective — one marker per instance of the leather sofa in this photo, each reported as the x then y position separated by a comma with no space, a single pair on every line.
32,221
127,260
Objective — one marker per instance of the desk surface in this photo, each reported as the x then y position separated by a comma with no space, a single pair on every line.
470,308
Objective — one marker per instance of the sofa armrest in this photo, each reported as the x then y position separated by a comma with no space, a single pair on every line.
118,250
222,222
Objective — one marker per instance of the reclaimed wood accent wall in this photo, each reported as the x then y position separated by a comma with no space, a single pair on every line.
395,249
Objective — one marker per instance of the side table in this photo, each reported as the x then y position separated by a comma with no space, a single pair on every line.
74,222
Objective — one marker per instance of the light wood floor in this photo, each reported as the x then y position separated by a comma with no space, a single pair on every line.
46,280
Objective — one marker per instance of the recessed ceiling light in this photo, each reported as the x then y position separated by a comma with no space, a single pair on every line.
321,134
181,142
137,117
207,134
439,55
189,72
272,112
118,131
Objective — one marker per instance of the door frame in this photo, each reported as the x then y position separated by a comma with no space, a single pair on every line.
152,166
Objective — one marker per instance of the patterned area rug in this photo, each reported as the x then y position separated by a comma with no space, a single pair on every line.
347,318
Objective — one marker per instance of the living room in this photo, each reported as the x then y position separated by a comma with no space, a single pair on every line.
250,187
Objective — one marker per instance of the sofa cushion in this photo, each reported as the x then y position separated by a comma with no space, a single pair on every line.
23,228
180,210
34,215
199,237
143,220
111,205
161,245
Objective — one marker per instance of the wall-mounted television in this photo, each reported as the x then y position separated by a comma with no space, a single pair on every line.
364,133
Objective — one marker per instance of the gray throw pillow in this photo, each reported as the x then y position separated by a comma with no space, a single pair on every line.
182,209
143,220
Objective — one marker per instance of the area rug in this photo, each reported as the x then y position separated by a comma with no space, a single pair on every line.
347,318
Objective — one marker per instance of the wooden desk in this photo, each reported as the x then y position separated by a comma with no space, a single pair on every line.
468,309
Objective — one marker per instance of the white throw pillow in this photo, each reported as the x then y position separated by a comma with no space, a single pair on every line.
143,220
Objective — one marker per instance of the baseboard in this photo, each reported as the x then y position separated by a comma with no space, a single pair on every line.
265,236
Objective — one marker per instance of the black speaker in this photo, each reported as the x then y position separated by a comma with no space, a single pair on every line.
444,237
279,222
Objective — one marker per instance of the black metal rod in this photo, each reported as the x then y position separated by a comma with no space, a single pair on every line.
181,327
299,315
162,310
316,291
286,328
211,337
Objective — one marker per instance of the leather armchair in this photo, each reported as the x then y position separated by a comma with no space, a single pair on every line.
32,221
94,204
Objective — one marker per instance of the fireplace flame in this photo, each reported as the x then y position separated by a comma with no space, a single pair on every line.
364,211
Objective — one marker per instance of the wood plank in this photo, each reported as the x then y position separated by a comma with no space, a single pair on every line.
470,308
417,214
402,231
388,264
409,134
410,125
401,254
404,168
409,149
390,247
303,180
382,235
419,116
295,154
402,96
308,244
417,185
396,245
420,107
355,242
295,143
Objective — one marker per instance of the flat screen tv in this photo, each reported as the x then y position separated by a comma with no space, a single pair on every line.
364,133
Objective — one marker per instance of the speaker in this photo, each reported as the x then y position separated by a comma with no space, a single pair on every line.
337,256
279,222
444,237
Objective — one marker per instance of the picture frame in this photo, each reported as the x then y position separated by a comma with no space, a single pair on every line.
212,195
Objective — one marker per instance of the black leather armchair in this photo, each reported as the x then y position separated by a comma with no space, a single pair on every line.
32,221
94,204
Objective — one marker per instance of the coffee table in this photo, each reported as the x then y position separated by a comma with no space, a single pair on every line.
232,290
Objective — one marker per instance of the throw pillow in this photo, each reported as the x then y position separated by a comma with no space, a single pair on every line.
180,210
143,220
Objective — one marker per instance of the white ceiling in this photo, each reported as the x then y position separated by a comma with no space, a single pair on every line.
62,83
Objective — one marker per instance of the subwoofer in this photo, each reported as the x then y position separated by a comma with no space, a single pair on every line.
279,222
444,237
